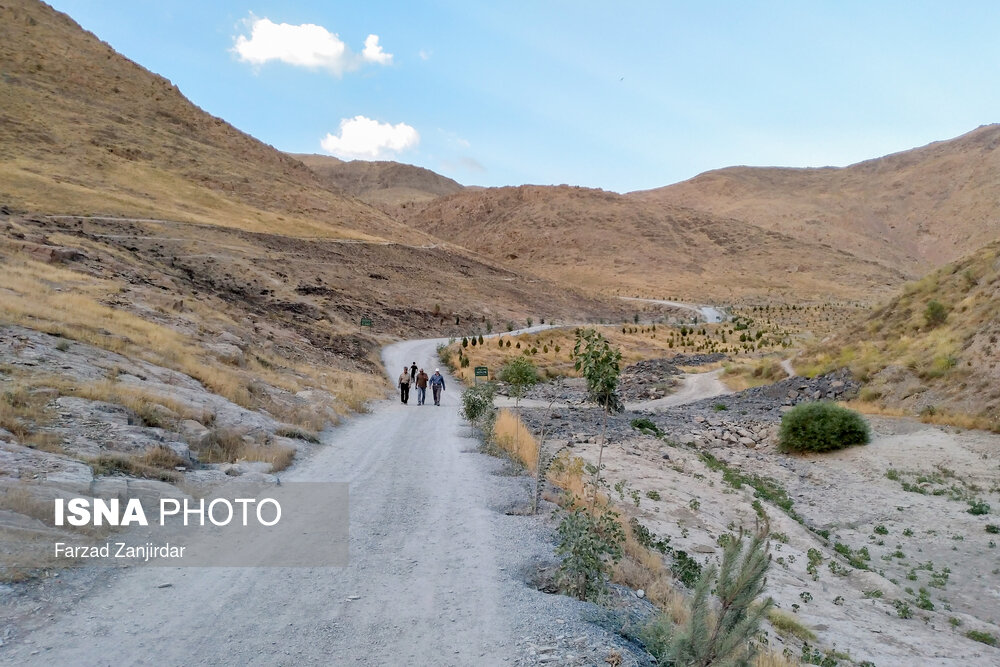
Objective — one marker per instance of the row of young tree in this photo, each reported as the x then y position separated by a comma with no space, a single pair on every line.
725,610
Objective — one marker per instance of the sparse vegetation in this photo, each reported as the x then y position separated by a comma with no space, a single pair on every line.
982,637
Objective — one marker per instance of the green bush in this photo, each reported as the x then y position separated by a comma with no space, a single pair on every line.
821,427
645,425
587,544
477,402
984,637
935,314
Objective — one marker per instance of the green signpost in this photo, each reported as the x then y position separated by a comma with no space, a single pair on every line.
482,372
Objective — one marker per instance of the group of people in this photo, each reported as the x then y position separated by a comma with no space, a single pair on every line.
418,377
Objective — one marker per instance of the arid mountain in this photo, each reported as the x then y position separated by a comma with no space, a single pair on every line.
926,358
381,183
85,130
627,246
913,211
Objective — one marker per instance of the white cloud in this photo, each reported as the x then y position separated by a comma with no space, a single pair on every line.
305,45
367,139
373,53
424,54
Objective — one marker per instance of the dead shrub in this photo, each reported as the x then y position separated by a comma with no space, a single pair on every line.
131,466
161,457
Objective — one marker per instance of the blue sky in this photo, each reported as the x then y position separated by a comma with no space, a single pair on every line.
621,96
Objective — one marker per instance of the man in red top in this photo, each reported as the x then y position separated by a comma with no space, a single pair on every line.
421,386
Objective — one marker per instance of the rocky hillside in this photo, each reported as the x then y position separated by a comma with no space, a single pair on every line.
912,211
934,349
85,130
627,246
383,183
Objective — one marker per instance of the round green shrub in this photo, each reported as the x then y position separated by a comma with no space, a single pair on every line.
821,427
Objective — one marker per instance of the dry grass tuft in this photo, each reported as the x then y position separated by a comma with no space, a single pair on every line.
133,466
161,457
226,445
787,625
20,500
771,658
753,373
279,456
297,434
512,436
22,412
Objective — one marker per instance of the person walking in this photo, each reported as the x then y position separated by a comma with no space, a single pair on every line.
421,382
437,386
404,385
413,372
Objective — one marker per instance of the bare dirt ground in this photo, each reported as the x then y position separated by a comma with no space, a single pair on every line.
926,557
436,576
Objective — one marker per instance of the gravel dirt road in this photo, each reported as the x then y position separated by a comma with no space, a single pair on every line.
436,573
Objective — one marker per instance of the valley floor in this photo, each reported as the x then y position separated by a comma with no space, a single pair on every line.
436,576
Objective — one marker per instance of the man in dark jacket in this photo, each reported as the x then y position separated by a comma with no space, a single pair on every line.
437,386
404,385
413,372
421,382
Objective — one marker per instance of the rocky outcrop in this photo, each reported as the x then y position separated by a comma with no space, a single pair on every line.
748,418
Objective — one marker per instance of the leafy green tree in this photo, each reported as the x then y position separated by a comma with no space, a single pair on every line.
520,374
600,365
465,342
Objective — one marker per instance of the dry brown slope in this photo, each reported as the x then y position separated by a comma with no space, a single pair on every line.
924,367
913,210
620,245
84,129
384,183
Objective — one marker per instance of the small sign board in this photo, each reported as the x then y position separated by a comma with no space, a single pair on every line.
366,321
482,372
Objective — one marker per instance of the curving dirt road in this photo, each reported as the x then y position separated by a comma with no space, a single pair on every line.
435,576
710,313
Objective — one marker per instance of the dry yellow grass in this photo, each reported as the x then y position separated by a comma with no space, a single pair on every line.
752,373
279,456
512,436
787,625
20,500
945,370
771,658
71,304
